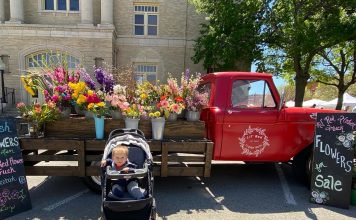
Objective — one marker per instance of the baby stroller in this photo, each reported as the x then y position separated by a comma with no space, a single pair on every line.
127,207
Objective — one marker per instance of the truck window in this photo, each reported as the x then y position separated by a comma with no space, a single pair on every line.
251,94
205,88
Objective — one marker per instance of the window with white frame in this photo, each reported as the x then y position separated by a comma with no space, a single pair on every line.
42,59
146,20
60,5
145,72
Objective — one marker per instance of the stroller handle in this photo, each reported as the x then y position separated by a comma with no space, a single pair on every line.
135,132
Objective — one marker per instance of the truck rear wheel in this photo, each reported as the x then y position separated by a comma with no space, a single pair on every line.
93,182
302,164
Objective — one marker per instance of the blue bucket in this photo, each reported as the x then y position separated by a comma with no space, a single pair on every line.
99,127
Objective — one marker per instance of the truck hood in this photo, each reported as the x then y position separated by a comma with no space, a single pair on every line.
305,114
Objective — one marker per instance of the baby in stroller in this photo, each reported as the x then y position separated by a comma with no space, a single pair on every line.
120,162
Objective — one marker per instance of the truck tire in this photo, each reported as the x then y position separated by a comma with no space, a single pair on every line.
302,166
93,183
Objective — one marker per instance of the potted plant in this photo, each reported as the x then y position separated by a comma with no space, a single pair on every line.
117,100
157,122
98,110
132,115
37,115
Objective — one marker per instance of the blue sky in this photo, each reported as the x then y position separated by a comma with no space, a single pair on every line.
278,81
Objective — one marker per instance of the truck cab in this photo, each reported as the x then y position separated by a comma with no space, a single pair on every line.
247,121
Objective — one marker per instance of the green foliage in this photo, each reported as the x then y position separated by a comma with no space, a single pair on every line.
297,30
232,34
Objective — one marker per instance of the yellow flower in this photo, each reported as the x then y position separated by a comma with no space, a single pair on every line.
81,99
90,92
151,115
91,106
101,104
157,114
143,96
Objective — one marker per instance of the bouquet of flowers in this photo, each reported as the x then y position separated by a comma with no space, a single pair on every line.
197,101
95,103
169,105
39,113
134,111
117,98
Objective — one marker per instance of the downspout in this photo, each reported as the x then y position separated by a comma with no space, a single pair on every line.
185,35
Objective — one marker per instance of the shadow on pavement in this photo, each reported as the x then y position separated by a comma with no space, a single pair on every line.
241,188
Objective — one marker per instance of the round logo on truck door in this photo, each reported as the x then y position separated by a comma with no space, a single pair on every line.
254,141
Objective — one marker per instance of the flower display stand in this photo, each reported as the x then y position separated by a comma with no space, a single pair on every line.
184,151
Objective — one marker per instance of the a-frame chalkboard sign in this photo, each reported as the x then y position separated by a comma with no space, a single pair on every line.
14,195
333,159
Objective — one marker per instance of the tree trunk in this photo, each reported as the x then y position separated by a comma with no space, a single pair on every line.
340,99
300,84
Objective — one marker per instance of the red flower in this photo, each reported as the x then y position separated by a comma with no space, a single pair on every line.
179,99
163,97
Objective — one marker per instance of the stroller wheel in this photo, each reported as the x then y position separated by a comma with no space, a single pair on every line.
153,210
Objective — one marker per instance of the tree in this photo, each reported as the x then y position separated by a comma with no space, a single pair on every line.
231,39
335,66
297,30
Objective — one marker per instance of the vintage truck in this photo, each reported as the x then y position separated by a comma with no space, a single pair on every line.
245,120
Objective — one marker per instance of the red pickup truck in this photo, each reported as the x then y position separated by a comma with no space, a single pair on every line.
248,121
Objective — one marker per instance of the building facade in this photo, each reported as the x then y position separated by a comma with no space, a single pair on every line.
155,36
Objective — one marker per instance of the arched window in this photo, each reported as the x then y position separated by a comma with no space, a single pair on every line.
49,58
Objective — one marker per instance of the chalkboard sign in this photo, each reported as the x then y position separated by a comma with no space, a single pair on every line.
14,195
333,159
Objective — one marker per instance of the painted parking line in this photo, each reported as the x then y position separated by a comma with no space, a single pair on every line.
287,193
64,201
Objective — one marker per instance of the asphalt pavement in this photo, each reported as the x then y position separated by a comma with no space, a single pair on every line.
234,191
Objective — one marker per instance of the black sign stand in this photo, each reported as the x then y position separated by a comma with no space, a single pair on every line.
14,195
333,159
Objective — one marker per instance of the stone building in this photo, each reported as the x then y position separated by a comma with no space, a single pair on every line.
156,36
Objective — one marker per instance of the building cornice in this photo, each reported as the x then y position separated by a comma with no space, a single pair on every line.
70,31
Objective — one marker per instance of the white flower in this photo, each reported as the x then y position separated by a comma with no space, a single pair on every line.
341,138
319,200
347,144
315,194
350,136
323,195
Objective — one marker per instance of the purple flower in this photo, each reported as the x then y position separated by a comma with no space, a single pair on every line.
100,75
109,82
87,79
187,74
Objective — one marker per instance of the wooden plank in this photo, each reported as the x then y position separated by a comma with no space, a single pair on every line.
155,145
164,162
81,159
50,157
208,158
95,145
182,129
50,144
51,170
186,147
190,158
90,158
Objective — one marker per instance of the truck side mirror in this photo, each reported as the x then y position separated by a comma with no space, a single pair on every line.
282,101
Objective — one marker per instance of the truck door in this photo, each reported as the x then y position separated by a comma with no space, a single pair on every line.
251,128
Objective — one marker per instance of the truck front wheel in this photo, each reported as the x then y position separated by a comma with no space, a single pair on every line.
302,164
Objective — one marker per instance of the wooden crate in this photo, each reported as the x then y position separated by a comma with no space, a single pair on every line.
85,128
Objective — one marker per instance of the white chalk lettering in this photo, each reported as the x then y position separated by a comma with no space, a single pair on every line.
5,128
328,183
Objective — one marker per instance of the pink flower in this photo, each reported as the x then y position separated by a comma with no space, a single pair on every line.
55,98
59,74
20,105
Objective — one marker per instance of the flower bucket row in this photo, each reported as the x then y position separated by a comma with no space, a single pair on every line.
64,90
